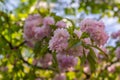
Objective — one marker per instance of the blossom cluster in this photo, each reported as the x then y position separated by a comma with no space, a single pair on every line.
44,62
59,41
118,52
37,27
115,34
60,77
95,29
59,44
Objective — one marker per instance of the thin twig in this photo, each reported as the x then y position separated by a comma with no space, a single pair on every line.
22,43
47,68
17,47
99,50
111,63
10,44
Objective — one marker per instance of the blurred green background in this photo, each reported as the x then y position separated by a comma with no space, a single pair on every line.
16,58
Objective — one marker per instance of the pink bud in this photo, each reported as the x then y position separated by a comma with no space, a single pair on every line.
111,68
86,69
78,33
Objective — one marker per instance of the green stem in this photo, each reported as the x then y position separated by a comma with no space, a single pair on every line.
55,62
99,50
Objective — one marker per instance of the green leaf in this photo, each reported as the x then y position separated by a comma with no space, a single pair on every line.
71,30
37,47
83,59
44,50
73,42
69,11
55,63
43,12
101,51
92,60
84,35
71,21
57,18
77,44
92,53
118,43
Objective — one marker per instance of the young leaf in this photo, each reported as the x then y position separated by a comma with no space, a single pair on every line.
84,35
37,47
74,42
40,49
92,60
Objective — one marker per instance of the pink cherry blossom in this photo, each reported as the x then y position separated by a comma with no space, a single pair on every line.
41,32
35,61
118,52
33,20
86,69
66,62
48,21
111,68
29,28
61,24
87,41
96,30
78,33
74,51
33,33
99,37
115,34
87,24
60,76
29,32
46,60
30,43
59,41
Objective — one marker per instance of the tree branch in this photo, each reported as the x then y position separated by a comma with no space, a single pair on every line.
10,44
48,68
99,50
17,47
22,43
111,63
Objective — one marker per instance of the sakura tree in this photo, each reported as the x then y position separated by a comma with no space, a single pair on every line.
42,45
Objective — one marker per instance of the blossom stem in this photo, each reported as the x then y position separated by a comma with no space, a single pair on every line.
99,50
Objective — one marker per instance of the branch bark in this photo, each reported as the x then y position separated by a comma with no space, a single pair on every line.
10,44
